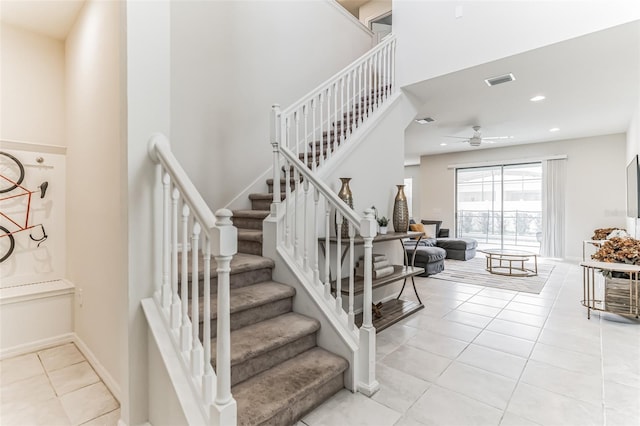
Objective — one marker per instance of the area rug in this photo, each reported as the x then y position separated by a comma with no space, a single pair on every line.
473,272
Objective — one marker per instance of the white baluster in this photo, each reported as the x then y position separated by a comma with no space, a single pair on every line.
185,330
343,127
224,247
175,299
316,271
338,261
277,198
352,100
393,66
329,153
351,316
327,254
383,79
313,139
370,85
196,347
376,80
336,138
359,95
305,225
296,121
294,215
323,156
348,102
166,244
207,378
305,113
287,178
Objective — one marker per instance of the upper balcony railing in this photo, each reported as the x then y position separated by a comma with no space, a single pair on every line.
314,127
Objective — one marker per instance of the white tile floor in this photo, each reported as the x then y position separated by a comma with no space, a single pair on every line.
483,356
54,387
473,356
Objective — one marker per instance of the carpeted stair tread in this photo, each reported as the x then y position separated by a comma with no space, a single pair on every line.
269,397
240,263
259,338
250,235
264,196
252,296
253,214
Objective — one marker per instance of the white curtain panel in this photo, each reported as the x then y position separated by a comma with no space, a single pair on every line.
553,199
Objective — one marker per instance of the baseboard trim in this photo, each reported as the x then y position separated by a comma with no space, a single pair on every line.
99,368
37,345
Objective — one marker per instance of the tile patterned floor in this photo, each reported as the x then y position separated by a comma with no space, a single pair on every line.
473,356
54,387
483,356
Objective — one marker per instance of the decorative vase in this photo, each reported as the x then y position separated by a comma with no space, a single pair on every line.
345,195
400,211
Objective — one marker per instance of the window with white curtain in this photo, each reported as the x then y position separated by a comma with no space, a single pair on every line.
408,192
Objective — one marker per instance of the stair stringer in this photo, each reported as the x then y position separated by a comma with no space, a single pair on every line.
334,334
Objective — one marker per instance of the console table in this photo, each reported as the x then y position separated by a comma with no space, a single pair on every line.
393,310
590,300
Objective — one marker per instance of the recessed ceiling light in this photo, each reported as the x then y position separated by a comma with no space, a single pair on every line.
554,129
537,98
443,144
425,120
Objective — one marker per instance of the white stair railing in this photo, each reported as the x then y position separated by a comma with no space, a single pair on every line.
304,220
304,137
326,118
192,235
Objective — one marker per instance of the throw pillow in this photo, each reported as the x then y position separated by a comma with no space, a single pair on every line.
429,231
416,227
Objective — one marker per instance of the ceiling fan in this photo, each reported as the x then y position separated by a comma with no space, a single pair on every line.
477,138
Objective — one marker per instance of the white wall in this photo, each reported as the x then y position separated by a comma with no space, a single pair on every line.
595,190
32,100
96,226
432,41
225,77
147,49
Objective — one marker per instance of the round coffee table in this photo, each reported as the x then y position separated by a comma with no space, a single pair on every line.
511,262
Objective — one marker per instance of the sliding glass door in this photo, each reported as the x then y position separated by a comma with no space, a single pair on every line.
500,206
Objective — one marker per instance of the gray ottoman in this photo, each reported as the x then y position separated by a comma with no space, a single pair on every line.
429,258
458,248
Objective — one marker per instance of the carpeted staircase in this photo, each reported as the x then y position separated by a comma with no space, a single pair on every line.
278,373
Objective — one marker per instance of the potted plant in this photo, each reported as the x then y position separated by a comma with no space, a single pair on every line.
383,222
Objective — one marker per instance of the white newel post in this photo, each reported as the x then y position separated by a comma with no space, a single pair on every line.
275,140
224,246
368,384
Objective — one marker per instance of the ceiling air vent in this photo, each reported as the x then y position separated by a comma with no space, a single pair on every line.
493,81
425,120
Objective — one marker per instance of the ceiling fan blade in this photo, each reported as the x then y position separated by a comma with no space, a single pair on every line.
498,137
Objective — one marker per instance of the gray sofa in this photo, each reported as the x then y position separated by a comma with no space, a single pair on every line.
431,252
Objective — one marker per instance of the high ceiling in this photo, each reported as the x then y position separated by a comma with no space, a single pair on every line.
51,18
591,84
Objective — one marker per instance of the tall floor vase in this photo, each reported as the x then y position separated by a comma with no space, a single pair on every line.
346,196
400,211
